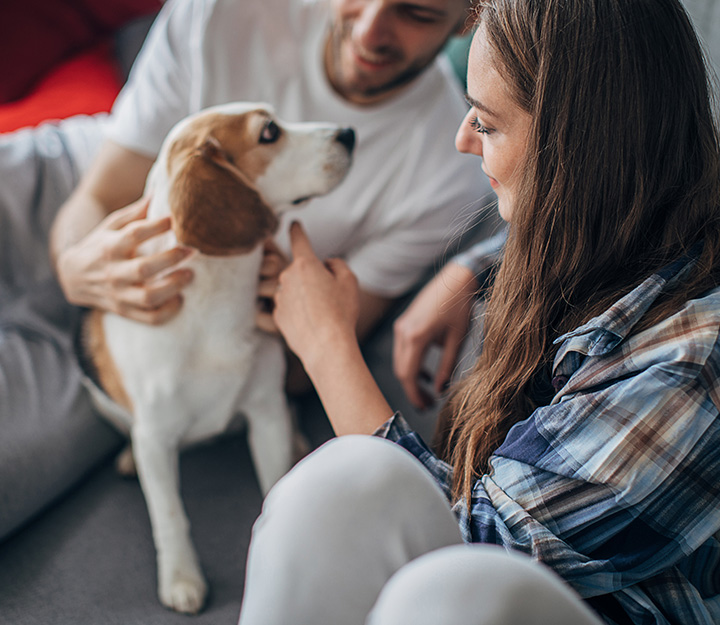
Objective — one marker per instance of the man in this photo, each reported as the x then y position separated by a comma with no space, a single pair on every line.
370,64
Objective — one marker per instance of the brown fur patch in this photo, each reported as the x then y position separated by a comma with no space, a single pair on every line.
214,210
106,372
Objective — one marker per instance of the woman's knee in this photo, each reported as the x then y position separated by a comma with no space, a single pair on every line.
337,526
353,467
478,585
362,483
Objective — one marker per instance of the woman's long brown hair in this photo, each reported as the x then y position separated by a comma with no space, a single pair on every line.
622,176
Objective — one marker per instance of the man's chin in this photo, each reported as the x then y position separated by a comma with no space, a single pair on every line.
384,83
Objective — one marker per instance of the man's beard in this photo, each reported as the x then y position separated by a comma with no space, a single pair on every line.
337,36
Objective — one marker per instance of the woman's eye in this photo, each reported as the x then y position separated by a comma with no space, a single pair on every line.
270,132
478,127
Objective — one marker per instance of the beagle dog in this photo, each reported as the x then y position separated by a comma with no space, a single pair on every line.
224,174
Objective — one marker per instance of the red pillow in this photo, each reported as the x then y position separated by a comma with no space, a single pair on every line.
36,35
86,83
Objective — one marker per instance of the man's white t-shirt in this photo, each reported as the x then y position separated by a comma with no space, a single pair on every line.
408,190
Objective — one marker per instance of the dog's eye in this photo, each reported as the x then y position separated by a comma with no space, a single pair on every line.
270,132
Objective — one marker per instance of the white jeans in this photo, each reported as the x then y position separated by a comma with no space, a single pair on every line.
359,533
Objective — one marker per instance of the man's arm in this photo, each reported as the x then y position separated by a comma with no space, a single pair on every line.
439,314
115,179
95,236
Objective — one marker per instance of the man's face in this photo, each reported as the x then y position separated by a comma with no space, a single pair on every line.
376,46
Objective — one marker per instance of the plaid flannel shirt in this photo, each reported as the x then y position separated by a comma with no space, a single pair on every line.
616,483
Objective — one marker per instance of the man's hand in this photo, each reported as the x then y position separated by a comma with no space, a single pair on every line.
439,314
103,270
274,262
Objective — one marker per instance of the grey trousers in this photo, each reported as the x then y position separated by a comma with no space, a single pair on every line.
359,533
49,436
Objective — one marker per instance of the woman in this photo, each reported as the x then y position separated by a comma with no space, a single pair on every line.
587,436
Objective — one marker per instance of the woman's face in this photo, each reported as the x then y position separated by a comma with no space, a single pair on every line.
495,128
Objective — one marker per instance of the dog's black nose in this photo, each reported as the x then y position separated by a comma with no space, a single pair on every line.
346,136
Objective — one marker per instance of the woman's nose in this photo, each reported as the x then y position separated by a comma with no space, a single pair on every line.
467,140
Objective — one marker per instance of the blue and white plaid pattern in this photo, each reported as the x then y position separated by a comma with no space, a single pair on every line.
616,483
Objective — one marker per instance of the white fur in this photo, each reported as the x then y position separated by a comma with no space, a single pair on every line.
188,378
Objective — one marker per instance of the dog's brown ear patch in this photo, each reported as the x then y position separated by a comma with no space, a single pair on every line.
214,208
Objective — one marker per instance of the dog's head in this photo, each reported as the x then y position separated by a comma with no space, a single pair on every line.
232,169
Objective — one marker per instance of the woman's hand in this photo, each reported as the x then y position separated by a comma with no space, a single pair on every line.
103,270
316,310
316,303
439,314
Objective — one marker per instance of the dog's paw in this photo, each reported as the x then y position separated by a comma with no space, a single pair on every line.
184,594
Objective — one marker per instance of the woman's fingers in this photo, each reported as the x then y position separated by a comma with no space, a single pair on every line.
316,302
300,243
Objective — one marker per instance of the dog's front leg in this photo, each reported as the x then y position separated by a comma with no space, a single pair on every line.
181,585
270,425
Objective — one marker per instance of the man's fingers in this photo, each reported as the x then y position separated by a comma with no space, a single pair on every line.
271,247
299,242
123,216
267,288
406,366
412,390
138,232
153,316
153,295
415,393
144,268
265,322
448,361
272,265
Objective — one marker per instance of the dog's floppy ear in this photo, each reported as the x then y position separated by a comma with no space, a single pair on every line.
215,209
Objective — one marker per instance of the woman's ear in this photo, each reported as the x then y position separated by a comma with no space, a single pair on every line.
214,208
